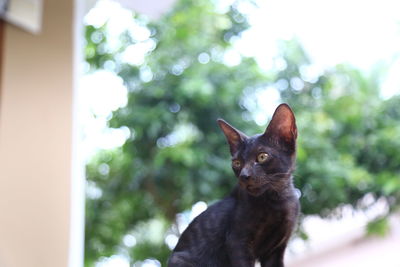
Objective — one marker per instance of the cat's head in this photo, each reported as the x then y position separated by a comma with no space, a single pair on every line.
264,161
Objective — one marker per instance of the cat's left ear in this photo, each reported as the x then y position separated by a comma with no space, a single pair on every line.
282,127
234,137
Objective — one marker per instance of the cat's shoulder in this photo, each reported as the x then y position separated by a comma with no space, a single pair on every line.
226,204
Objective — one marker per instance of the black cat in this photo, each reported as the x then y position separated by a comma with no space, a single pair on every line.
256,220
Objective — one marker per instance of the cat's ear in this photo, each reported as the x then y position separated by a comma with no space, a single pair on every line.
282,127
234,137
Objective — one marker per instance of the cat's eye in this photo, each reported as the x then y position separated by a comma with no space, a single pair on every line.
262,157
236,163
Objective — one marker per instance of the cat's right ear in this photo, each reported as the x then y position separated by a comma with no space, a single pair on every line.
282,127
234,137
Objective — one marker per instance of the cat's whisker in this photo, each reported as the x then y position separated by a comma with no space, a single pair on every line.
278,174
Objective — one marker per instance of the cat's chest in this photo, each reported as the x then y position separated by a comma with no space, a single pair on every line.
265,229
263,223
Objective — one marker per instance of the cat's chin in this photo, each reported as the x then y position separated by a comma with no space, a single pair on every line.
255,190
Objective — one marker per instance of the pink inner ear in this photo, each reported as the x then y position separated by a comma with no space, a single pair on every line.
288,128
287,132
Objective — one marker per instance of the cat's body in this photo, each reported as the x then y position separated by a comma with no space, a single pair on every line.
256,220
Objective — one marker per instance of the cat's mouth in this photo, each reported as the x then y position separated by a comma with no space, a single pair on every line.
255,190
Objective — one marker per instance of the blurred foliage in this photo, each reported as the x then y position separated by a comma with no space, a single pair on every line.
348,143
378,227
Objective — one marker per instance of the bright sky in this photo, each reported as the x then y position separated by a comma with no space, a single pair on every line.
332,31
357,32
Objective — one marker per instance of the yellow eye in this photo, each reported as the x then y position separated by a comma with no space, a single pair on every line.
236,163
262,157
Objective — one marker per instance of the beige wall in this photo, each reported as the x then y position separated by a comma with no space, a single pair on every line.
35,141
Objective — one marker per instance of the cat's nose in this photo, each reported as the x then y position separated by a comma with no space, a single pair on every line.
245,174
244,177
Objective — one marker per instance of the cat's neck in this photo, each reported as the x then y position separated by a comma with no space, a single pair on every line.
269,197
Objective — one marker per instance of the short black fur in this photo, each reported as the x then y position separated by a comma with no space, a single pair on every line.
256,220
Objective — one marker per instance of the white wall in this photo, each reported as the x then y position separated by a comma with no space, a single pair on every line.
36,140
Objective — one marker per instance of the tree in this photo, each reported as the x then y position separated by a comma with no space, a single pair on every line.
176,155
345,131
